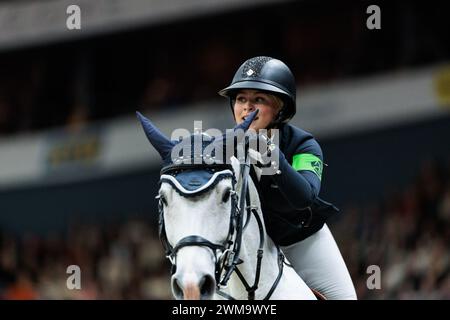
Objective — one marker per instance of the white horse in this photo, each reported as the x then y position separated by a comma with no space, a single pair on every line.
216,241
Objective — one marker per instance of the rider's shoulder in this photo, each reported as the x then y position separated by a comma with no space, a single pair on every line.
296,133
299,140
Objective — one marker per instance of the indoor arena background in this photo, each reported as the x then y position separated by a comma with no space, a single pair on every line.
78,178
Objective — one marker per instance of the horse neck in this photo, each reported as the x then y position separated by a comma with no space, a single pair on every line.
248,253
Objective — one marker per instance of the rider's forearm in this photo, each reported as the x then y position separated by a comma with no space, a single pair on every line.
300,189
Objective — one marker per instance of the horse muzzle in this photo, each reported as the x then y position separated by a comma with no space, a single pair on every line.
193,286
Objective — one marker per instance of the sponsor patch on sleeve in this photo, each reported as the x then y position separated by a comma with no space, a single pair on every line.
309,162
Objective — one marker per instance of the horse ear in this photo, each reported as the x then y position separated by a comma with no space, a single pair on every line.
236,166
159,141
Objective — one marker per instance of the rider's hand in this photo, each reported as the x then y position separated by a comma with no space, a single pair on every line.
260,149
258,159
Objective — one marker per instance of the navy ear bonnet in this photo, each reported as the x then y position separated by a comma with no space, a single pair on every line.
199,148
194,182
192,173
193,165
207,145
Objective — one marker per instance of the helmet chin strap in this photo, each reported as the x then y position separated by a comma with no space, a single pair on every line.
232,100
277,121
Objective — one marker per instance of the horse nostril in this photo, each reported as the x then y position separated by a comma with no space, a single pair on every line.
207,287
193,289
177,290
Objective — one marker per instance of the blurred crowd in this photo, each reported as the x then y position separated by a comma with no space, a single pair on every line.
119,261
407,236
164,66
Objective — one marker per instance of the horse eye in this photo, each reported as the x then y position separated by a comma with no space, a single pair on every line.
226,195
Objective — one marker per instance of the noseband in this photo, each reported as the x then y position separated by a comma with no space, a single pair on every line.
226,254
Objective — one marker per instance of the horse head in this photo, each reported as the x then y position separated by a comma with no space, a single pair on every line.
197,204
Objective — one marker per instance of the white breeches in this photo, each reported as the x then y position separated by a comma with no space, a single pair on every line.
319,262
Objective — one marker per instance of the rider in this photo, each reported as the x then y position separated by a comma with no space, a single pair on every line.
294,214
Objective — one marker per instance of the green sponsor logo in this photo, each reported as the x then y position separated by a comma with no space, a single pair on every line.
307,161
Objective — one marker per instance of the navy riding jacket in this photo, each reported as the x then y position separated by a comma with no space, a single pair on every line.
290,200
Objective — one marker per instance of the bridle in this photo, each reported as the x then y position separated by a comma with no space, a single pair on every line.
226,254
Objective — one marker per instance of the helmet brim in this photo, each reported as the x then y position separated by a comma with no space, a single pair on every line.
230,90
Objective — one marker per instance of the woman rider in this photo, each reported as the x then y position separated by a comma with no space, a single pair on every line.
294,214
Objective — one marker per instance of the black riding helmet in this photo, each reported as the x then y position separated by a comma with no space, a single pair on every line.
265,74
